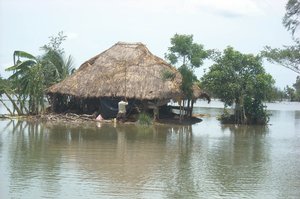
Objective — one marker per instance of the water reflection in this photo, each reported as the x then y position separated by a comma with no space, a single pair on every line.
160,161
126,156
29,157
242,161
297,120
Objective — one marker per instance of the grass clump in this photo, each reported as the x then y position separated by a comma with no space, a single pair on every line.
144,119
168,75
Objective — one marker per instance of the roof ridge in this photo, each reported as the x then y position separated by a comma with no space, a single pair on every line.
129,43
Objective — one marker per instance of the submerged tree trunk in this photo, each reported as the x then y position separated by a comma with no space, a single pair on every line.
22,104
188,108
19,111
239,112
192,107
8,109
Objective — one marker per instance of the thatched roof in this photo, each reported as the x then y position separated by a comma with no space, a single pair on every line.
124,70
198,93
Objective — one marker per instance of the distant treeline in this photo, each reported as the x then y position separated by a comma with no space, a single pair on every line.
288,93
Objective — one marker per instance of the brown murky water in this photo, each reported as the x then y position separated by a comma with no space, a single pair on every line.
206,160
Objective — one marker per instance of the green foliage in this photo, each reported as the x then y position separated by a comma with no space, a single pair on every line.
226,117
188,80
288,57
297,88
234,78
183,48
3,86
288,93
4,89
292,15
276,94
22,54
291,94
144,119
256,112
168,75
56,66
188,55
32,75
28,82
198,55
55,43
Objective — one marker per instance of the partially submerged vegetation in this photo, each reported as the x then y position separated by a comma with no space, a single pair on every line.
188,55
144,119
32,75
240,80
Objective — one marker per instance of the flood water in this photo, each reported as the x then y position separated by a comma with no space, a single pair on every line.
205,160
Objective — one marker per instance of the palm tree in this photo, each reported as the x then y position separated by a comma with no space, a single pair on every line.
56,66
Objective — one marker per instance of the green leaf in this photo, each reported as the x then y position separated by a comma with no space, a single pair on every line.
22,54
22,65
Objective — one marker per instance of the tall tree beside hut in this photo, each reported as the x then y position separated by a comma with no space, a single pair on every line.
188,55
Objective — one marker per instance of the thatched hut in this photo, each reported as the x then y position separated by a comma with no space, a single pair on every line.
126,70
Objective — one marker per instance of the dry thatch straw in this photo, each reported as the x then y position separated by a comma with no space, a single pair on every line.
124,70
198,93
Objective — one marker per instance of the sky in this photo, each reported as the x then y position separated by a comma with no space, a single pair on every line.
93,26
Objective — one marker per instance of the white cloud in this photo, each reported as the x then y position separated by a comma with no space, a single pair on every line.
231,7
235,7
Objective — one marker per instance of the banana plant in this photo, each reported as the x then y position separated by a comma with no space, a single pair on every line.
31,75
28,82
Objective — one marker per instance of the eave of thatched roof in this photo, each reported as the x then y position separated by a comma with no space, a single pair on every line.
196,91
199,94
124,70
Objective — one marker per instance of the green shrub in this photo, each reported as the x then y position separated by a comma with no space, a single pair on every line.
255,113
144,119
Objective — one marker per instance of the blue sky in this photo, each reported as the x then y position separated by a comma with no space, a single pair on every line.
92,26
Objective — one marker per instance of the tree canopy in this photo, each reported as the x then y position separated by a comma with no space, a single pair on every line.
186,54
291,18
240,79
288,56
185,51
